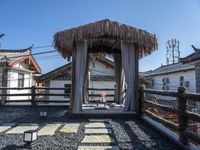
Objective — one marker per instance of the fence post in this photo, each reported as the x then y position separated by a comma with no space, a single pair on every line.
33,95
141,101
183,120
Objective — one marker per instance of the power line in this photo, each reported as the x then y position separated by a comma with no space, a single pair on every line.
49,58
38,47
35,54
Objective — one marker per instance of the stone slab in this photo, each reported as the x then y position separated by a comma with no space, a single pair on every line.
70,128
48,129
20,129
98,125
99,120
97,139
5,127
98,148
98,131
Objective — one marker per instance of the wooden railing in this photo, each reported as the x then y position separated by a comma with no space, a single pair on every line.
185,135
33,94
101,89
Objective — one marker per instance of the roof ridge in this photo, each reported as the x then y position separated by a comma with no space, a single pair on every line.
17,50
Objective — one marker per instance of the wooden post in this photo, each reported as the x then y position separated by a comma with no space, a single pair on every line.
141,101
183,120
137,103
33,95
4,81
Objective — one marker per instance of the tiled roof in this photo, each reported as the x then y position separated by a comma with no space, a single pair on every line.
15,50
13,54
169,69
192,57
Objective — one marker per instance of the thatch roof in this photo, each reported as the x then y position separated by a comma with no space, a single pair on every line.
104,35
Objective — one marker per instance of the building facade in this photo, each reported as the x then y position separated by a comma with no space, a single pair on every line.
170,77
101,72
101,76
17,69
194,59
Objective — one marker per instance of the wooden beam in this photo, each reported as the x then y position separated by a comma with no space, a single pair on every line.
161,92
103,49
137,103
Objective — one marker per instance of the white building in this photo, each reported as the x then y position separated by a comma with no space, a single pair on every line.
170,77
101,72
17,70
101,75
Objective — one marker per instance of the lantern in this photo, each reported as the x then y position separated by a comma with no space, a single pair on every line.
30,138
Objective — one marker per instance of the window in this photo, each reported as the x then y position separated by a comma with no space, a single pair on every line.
20,80
165,83
67,90
152,82
181,80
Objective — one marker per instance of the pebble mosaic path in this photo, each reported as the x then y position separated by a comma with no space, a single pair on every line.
98,132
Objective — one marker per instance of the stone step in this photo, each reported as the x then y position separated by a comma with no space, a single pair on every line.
98,148
48,129
70,128
20,129
98,131
5,127
98,125
97,139
99,120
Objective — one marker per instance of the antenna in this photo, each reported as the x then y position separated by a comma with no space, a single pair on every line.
173,53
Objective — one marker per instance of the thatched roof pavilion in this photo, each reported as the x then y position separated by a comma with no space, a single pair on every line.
104,35
126,44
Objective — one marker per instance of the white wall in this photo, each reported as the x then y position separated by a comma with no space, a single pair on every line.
103,84
174,79
58,84
13,82
101,69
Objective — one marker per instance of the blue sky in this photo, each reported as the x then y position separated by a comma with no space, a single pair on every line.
27,22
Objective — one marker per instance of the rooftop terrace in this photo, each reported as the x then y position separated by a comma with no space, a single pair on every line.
58,131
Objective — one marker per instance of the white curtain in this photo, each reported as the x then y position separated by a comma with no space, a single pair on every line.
122,87
80,69
128,65
86,81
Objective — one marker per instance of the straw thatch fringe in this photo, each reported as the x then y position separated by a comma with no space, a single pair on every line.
65,40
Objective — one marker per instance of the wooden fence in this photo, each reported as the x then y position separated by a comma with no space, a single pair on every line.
33,94
185,135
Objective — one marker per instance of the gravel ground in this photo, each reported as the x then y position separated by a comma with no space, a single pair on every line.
128,134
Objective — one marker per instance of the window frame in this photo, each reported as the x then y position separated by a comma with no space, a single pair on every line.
20,80
67,91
